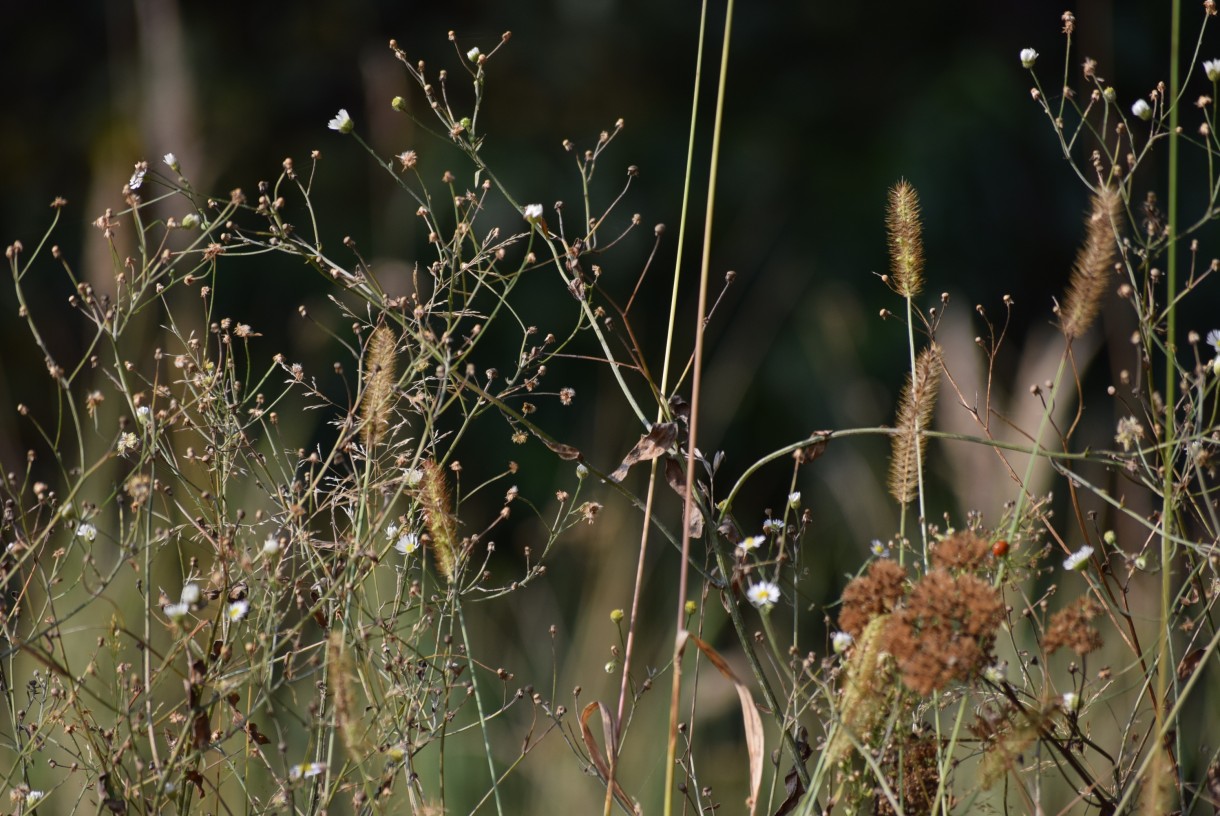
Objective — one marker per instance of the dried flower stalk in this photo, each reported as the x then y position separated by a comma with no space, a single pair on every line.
1094,265
914,416
379,377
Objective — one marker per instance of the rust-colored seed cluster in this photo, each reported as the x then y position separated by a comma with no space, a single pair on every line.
945,631
960,552
877,592
916,767
1071,627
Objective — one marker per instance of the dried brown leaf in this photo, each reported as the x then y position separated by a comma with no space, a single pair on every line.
651,446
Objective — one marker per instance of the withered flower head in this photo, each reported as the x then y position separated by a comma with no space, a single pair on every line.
1072,627
960,552
945,631
875,593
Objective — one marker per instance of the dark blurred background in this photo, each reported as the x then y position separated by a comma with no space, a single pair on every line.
828,105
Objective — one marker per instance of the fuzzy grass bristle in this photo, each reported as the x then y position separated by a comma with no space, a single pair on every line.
914,416
905,234
1094,265
434,498
379,377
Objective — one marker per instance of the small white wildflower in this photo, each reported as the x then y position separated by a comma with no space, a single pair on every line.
773,526
190,594
763,594
996,673
1141,562
176,611
342,122
879,549
794,499
306,770
391,531
271,545
237,610
1079,559
144,415
1213,340
127,442
1212,69
1142,109
1028,57
474,54
1109,94
750,543
532,212
611,667
172,161
137,178
189,221
407,543
413,476
1071,701
581,471
841,642
86,532
33,796
1130,432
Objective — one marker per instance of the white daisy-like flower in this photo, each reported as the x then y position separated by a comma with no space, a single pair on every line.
413,476
391,531
773,526
581,471
750,543
137,177
144,415
172,161
1028,57
407,543
764,594
1071,701
1142,109
176,611
190,594
1079,559
342,122
996,673
189,221
1213,340
532,212
86,532
841,642
127,442
1212,69
878,548
33,796
794,499
306,770
271,545
238,610
474,54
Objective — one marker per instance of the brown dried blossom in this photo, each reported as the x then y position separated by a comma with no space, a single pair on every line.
945,631
877,592
960,552
1072,627
916,764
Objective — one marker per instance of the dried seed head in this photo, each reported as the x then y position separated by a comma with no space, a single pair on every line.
1094,265
434,499
905,239
379,377
914,416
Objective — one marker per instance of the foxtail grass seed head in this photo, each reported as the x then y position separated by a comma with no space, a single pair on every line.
434,499
1094,265
905,240
379,378
915,408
